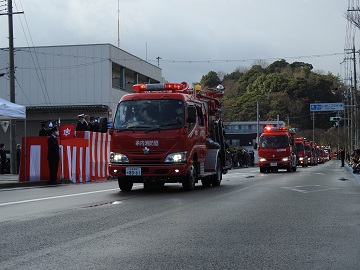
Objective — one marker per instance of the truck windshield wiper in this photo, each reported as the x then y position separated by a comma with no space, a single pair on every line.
162,127
153,129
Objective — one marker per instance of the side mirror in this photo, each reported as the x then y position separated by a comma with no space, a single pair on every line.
191,114
103,125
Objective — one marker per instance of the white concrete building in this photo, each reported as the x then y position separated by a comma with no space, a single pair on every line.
243,134
63,81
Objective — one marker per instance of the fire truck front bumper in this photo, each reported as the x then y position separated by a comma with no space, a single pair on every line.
275,165
141,172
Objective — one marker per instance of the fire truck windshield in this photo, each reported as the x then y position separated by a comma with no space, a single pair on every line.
154,114
281,141
299,146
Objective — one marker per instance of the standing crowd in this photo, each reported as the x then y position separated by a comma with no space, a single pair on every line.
242,158
87,123
50,128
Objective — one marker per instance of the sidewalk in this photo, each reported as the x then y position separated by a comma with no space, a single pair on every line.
11,181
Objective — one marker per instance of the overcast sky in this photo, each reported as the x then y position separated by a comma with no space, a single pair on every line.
192,37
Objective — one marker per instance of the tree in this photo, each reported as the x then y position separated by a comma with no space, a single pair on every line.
211,80
282,89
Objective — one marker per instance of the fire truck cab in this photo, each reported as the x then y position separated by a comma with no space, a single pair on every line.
276,150
168,133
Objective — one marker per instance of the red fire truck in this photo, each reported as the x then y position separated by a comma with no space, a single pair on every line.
302,159
276,150
309,153
168,133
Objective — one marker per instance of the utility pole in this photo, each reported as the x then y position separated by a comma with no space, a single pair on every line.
158,58
355,121
12,85
118,24
257,122
12,90
353,110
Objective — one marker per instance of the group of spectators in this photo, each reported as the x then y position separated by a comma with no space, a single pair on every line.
87,123
242,158
5,161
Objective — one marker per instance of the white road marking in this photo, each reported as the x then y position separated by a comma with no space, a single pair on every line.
60,196
310,188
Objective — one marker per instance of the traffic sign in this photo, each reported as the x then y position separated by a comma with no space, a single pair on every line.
323,107
335,118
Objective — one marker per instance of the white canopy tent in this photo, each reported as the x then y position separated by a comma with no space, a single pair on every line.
12,111
9,110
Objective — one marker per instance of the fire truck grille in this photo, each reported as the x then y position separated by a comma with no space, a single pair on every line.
152,151
146,160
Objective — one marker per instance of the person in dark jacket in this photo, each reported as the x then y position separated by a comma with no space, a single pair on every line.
18,157
342,156
2,158
53,155
44,131
81,125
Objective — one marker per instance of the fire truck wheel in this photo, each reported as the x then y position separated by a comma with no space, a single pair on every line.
125,184
189,181
206,182
262,170
216,178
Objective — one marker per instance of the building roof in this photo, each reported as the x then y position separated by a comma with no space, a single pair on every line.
67,108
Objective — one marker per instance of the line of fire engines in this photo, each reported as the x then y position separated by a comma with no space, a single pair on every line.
170,133
279,148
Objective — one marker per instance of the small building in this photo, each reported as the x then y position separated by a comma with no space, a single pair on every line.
60,82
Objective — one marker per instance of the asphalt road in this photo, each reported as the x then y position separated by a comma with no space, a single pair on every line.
303,220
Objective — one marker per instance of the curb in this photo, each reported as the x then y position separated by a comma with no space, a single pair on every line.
16,184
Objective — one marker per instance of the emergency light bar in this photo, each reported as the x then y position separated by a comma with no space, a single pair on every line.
160,87
270,128
287,129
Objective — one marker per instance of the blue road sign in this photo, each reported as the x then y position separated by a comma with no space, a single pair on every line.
326,107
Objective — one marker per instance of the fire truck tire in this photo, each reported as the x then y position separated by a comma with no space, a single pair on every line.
262,170
125,184
216,178
289,168
190,179
206,182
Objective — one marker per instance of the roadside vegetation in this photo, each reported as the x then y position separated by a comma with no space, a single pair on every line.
282,89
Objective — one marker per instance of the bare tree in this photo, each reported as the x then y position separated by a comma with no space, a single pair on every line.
221,75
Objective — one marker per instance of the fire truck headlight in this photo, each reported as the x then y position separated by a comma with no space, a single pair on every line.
301,158
286,159
261,159
118,158
176,157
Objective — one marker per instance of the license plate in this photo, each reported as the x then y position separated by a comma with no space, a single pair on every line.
133,171
273,164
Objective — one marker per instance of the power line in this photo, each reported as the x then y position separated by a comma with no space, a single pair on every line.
36,63
159,59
